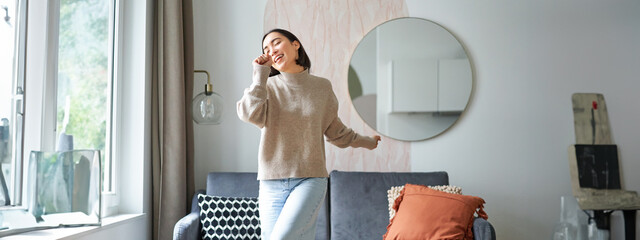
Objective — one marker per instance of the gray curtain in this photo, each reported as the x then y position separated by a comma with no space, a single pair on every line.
172,125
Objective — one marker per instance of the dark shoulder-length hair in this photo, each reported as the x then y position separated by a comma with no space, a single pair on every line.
303,58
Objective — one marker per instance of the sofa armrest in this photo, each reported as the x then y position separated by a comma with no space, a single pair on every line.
188,227
482,230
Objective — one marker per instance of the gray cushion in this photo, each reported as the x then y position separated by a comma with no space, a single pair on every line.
359,204
228,184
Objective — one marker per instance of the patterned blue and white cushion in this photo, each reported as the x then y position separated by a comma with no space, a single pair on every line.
229,218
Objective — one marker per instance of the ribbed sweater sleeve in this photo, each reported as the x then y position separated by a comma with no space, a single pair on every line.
340,135
253,105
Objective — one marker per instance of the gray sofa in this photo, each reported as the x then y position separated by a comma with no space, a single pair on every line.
357,206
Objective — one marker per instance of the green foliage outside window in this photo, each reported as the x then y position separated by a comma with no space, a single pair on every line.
83,76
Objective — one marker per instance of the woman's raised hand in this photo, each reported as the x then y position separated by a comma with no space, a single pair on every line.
264,59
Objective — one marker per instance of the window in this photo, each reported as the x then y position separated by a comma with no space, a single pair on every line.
68,99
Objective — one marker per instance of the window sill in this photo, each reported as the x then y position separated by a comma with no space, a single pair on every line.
77,232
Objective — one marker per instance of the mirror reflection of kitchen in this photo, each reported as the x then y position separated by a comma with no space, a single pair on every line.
410,79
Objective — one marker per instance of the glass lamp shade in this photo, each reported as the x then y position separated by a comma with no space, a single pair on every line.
207,108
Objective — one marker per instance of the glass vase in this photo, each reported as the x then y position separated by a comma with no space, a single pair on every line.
566,228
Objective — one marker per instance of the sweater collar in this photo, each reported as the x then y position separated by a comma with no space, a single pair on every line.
294,78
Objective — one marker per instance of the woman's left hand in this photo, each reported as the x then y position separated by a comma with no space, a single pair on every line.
378,139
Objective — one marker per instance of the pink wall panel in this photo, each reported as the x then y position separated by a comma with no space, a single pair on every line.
330,31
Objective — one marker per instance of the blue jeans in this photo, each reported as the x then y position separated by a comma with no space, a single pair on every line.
289,207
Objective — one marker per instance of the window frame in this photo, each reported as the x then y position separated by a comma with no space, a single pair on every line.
110,200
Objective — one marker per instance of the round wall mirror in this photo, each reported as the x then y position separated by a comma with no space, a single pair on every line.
410,79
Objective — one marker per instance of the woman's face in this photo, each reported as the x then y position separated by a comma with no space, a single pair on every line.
283,52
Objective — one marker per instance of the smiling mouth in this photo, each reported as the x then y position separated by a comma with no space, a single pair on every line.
277,58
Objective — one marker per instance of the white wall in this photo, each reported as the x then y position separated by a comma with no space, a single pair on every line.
228,36
511,146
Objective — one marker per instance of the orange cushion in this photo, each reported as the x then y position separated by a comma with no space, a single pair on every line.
424,213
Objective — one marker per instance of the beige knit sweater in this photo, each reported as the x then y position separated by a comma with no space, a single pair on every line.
294,112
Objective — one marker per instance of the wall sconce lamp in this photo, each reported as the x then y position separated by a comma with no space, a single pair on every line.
207,106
